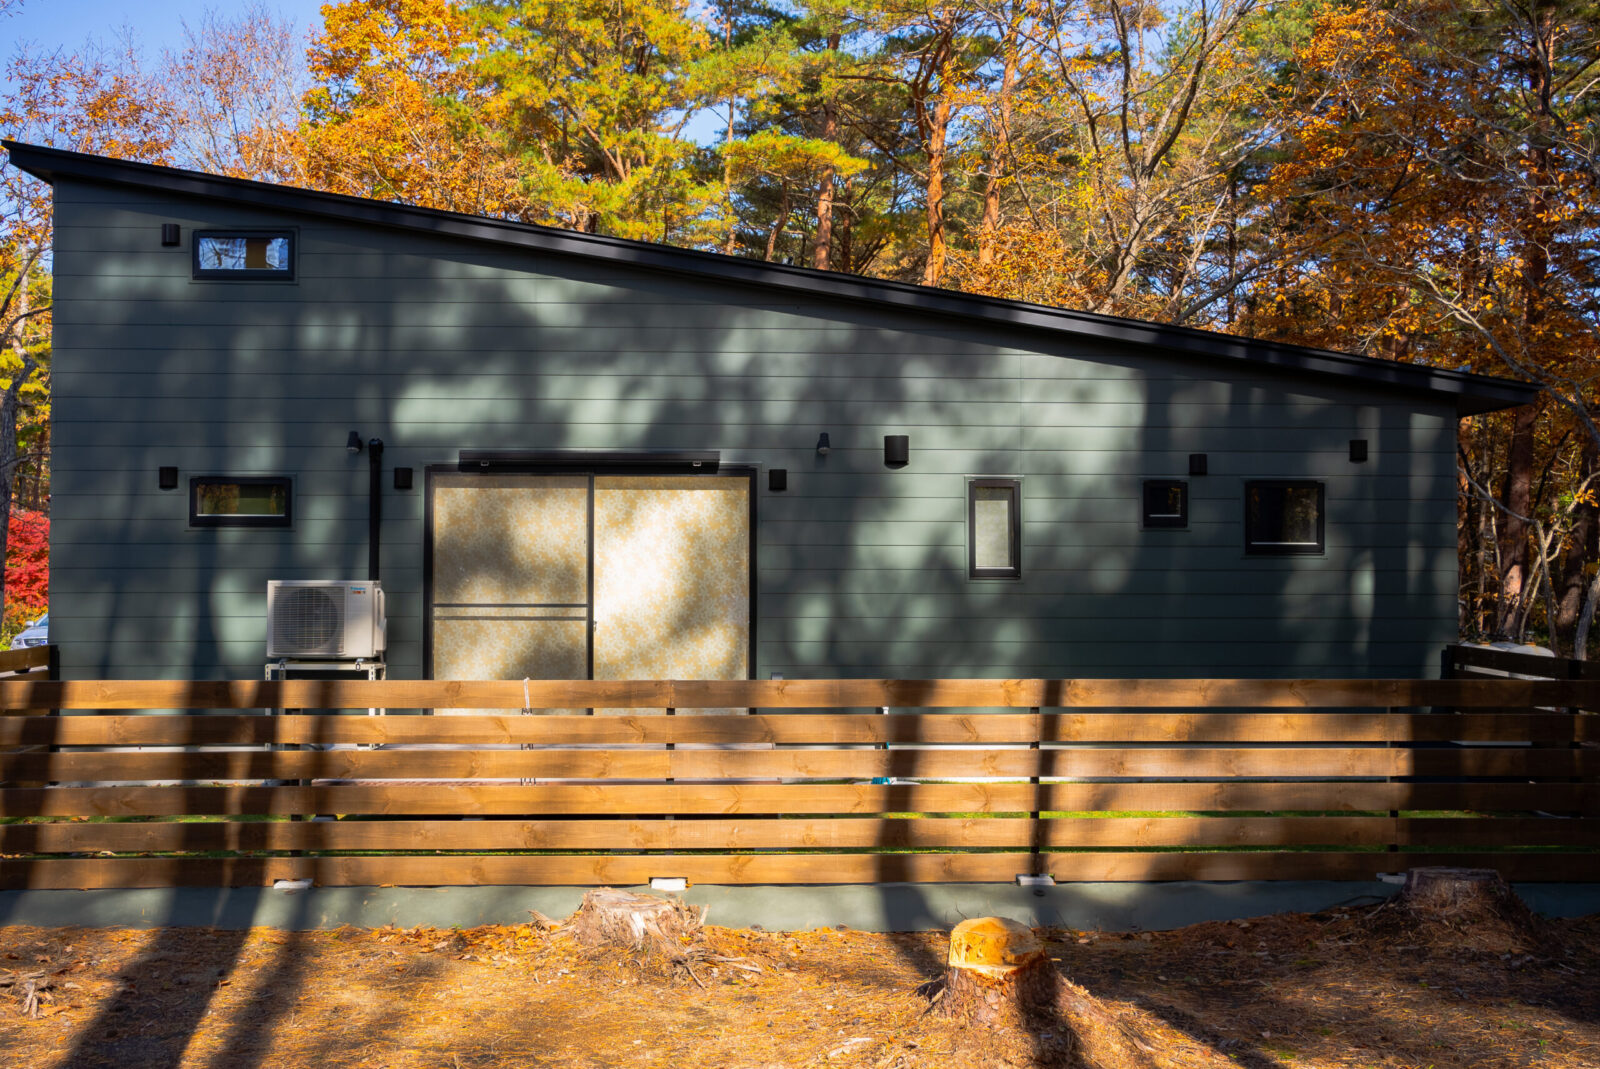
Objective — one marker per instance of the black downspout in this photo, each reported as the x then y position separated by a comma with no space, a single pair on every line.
374,504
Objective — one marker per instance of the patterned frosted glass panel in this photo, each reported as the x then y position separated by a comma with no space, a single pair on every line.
510,577
471,644
515,538
672,577
991,527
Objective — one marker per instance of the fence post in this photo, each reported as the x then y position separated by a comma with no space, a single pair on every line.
1394,814
671,711
1035,827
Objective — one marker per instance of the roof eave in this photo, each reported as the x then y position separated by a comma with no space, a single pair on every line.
1472,394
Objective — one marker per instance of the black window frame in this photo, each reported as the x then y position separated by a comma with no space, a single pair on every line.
197,519
1164,522
247,274
1015,486
1257,548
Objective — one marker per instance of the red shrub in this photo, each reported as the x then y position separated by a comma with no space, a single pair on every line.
28,563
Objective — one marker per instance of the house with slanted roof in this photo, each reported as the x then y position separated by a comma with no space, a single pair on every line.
570,456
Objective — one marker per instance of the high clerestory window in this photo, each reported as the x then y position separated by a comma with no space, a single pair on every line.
241,501
267,255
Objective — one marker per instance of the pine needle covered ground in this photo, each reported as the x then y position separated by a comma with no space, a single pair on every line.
1347,989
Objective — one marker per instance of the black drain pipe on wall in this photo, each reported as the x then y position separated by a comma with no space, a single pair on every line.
374,505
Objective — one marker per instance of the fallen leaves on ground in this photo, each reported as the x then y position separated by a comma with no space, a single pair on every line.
1328,990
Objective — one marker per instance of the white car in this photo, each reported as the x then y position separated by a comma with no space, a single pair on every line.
35,634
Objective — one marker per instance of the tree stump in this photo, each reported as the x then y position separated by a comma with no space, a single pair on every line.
1471,908
1446,892
646,924
999,974
1001,977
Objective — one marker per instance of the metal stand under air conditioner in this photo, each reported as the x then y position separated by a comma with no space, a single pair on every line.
285,668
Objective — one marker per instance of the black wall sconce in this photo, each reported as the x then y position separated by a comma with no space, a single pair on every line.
777,479
897,450
402,478
1197,463
352,444
824,447
1358,450
170,234
167,478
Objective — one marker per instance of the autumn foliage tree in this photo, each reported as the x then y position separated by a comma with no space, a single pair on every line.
1408,179
1436,200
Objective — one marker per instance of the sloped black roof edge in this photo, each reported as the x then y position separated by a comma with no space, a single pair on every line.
1471,393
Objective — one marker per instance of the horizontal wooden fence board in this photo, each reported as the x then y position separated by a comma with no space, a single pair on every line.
814,869
733,799
140,765
28,694
827,833
408,764
1464,832
24,659
547,870
779,729
656,729
414,835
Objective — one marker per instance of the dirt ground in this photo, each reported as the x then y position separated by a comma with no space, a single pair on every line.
1355,987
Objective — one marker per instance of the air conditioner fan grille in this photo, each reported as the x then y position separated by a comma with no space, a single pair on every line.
309,620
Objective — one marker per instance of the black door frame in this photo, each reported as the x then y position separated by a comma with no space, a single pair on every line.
592,465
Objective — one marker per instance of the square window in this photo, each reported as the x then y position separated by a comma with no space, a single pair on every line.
240,501
994,529
1283,516
244,254
1166,503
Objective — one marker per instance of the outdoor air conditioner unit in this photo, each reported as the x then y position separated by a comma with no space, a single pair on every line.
329,619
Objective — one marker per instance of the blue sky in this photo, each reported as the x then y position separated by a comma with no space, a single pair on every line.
156,24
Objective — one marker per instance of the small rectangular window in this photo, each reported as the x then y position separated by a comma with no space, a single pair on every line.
1283,516
1166,503
240,501
994,529
244,254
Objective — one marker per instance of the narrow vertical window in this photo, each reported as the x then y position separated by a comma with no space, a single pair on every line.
1166,503
994,529
1283,516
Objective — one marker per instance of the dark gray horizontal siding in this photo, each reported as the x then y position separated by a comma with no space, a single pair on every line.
228,455
437,345
595,400
835,589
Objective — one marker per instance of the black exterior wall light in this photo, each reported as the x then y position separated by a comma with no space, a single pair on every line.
896,450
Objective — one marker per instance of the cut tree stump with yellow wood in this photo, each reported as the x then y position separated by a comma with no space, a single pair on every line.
1002,977
999,973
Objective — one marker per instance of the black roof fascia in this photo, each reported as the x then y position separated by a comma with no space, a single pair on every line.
1470,393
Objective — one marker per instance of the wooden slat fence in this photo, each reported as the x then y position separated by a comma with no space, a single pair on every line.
1081,779
1483,662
